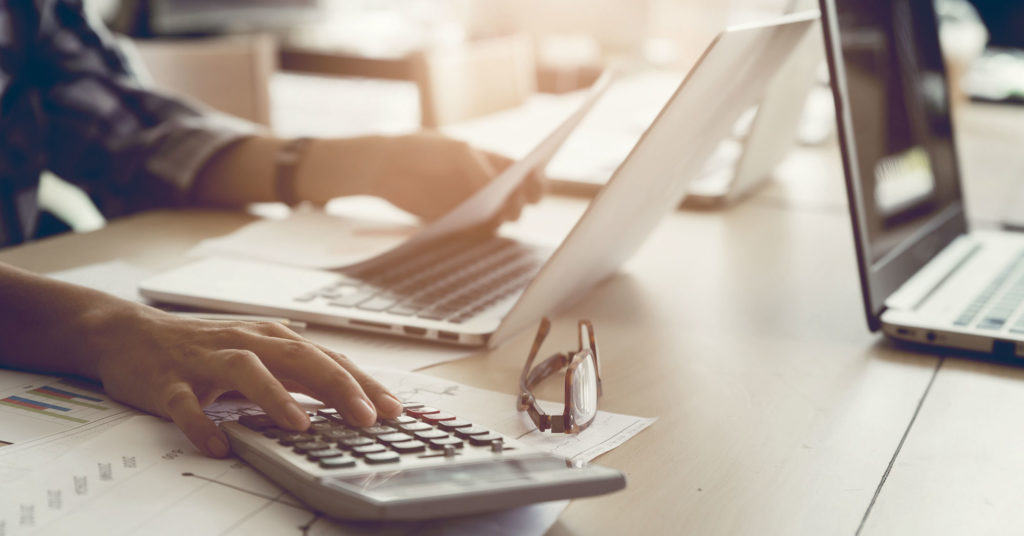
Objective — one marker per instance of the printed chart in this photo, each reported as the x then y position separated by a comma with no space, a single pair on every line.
33,406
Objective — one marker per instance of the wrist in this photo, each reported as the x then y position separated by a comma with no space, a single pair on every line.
99,331
340,167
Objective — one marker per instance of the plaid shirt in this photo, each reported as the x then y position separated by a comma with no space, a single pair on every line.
70,104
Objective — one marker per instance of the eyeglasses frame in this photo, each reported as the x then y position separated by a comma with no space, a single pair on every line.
531,376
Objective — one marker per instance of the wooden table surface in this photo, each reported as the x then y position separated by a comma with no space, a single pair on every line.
742,330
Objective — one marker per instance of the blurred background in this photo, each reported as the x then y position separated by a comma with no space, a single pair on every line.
353,67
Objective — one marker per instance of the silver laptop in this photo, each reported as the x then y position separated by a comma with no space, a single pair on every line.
925,277
465,285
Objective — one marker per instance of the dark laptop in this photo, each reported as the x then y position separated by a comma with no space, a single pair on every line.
925,276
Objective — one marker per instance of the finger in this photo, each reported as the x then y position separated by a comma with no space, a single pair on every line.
498,162
387,404
247,374
329,382
514,206
536,186
182,406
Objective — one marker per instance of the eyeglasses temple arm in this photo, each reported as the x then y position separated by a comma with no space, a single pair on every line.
525,396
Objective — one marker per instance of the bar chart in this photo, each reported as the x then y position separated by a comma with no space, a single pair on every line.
35,409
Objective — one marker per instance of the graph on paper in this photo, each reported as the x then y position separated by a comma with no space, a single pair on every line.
38,406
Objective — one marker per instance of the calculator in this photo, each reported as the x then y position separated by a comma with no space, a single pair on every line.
424,464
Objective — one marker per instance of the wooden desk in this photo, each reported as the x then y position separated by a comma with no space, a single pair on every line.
743,331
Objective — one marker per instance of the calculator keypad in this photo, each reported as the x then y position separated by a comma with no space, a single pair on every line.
421,432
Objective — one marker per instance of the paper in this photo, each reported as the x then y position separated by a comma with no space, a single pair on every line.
116,277
36,408
122,279
483,206
309,239
144,477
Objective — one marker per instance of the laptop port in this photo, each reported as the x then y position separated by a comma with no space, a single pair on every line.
372,325
419,332
447,336
1004,348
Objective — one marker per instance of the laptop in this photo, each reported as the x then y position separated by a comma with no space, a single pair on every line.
760,139
456,282
926,278
764,134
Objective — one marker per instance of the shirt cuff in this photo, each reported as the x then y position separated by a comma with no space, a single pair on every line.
189,142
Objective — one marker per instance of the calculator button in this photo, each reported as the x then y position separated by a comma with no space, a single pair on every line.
369,449
338,434
382,457
324,453
273,432
314,419
427,435
470,431
453,424
291,439
355,442
327,412
255,422
485,439
440,444
407,447
397,437
400,420
410,405
416,426
421,411
378,430
337,462
307,446
435,418
321,427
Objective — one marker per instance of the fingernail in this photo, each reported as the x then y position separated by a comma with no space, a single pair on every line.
363,410
217,447
297,417
397,407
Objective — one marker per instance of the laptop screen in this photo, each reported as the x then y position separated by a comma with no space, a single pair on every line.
897,137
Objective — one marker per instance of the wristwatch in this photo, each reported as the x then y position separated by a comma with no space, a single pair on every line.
287,165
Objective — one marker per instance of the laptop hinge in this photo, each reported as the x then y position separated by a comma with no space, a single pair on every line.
913,293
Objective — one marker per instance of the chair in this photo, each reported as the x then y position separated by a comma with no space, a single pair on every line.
477,78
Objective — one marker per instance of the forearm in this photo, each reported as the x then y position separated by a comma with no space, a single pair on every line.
47,325
246,172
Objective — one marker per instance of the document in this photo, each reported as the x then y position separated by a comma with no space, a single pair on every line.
142,476
122,280
311,238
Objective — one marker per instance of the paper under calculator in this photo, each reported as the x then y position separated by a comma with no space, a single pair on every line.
424,464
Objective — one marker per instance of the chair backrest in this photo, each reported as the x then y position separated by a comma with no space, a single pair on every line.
230,74
477,78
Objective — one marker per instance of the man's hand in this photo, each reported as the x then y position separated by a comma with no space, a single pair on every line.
429,174
426,174
173,367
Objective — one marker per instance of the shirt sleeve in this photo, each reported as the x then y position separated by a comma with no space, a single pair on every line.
130,147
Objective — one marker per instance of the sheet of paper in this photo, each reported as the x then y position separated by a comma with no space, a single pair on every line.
121,279
37,409
310,239
116,277
487,203
143,476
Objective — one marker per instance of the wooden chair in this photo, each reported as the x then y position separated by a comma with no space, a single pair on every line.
478,78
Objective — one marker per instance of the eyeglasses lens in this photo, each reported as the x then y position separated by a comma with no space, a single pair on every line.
584,391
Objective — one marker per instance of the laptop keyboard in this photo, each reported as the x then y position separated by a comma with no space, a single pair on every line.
998,307
454,281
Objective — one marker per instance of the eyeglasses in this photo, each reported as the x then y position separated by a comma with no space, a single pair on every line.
582,382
